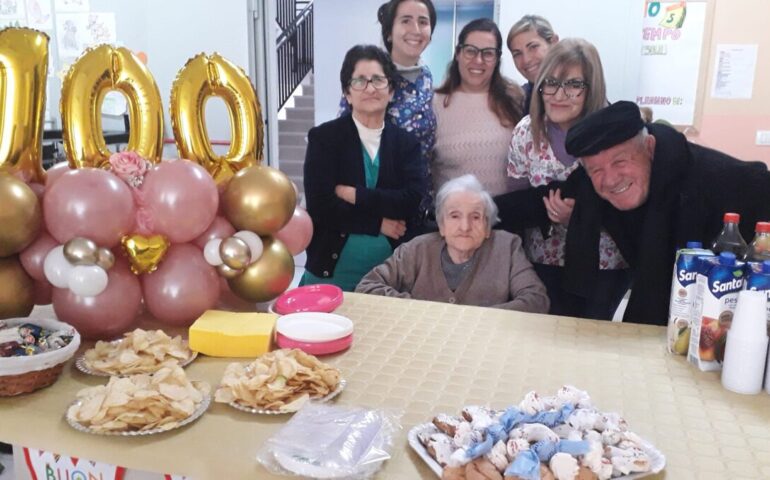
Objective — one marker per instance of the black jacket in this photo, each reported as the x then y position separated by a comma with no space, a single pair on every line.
334,157
691,187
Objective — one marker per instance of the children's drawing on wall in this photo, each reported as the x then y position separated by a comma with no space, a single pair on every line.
11,10
39,14
71,6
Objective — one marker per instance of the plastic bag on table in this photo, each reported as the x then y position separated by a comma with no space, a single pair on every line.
324,441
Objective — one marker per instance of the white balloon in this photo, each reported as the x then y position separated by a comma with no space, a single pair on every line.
211,252
56,267
87,280
254,243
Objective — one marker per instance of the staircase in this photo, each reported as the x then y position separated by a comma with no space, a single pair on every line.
292,133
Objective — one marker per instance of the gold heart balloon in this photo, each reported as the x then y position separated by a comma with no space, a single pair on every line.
144,253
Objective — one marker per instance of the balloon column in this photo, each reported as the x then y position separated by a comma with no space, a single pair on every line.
113,230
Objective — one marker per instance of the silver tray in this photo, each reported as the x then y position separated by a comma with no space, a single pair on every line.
205,402
80,363
263,411
657,459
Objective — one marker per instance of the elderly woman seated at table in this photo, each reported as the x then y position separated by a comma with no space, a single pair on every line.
466,262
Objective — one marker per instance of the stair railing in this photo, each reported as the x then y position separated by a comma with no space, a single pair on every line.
295,47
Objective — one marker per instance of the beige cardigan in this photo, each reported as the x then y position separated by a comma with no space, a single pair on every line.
501,277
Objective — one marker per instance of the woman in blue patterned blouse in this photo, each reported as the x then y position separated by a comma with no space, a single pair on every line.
407,26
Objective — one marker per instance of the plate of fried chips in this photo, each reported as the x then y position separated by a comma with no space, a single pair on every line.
278,382
140,351
142,404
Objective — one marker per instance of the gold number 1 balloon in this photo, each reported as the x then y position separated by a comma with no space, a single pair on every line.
23,69
98,71
202,77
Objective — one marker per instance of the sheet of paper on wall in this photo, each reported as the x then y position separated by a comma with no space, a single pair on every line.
39,14
71,6
13,10
672,39
734,72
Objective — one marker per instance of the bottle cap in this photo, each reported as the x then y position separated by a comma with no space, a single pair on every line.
697,244
732,218
763,227
727,258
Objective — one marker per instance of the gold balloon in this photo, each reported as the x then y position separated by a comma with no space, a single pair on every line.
105,258
23,70
259,199
235,253
81,251
228,272
17,297
20,215
144,253
98,71
268,277
204,76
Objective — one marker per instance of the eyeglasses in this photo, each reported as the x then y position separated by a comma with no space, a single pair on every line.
360,83
470,52
572,88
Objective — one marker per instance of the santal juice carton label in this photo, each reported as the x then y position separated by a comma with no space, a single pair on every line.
683,297
718,282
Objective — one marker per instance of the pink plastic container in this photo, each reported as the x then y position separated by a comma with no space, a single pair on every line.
310,298
314,332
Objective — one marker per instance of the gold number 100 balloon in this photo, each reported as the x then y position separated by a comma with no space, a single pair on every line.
202,77
23,68
101,69
98,71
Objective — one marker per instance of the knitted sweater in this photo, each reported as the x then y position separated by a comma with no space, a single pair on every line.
501,276
470,139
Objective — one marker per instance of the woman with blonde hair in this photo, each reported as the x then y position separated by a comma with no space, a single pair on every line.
570,85
529,40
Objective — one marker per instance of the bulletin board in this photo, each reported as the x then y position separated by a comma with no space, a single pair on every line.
672,59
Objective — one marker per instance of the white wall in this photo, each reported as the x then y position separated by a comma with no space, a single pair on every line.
613,26
338,24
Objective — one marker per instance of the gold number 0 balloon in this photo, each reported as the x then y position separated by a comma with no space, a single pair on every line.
99,70
23,68
202,77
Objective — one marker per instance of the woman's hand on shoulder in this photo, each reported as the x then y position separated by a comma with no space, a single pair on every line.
394,229
346,193
559,209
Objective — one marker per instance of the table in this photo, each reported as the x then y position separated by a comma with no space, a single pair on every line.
425,358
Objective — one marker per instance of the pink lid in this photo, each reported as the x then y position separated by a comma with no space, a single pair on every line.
310,298
315,348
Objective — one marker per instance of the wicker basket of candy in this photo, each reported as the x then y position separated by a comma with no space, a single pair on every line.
33,353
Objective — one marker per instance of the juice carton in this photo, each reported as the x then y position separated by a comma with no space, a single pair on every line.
718,282
683,296
759,279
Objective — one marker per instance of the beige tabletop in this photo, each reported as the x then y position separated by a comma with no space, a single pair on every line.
424,358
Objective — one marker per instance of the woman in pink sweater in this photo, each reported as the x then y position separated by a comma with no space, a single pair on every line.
476,109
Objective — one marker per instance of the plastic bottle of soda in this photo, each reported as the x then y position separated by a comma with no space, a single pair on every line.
730,239
759,249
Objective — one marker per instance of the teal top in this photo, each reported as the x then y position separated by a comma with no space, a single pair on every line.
361,253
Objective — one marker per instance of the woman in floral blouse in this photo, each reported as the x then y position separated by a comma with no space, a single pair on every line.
569,86
407,27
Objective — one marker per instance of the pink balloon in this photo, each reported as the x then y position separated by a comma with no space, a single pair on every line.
297,233
38,188
43,293
219,228
182,288
32,257
182,197
107,315
56,171
90,203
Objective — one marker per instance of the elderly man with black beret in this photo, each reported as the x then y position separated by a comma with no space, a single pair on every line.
652,191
